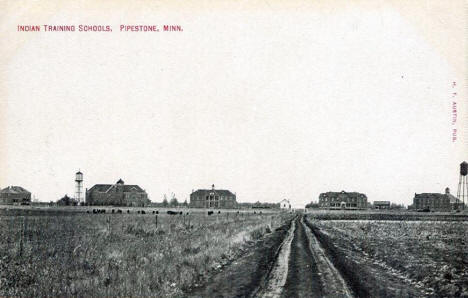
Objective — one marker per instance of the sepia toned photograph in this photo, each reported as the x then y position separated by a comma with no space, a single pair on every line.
260,149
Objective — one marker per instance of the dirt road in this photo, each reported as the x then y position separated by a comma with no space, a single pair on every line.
289,263
303,269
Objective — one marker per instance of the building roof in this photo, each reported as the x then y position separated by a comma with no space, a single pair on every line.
108,187
221,192
14,189
452,198
382,202
348,194
284,200
430,195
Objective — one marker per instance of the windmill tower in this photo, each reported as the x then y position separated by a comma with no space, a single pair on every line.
462,192
79,186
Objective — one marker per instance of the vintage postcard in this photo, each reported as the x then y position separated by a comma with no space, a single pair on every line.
271,148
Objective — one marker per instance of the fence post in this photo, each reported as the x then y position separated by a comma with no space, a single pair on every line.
25,234
21,237
108,220
9,238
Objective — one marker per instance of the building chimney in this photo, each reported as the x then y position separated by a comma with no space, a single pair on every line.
212,187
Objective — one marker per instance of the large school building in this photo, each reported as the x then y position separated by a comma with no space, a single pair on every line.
118,194
436,201
343,200
212,198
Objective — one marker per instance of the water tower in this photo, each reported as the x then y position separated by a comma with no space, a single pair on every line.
79,186
462,184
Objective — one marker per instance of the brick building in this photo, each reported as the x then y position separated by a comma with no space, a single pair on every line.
212,198
436,201
343,200
15,195
118,194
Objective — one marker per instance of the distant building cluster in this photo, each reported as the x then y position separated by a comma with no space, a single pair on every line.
343,200
212,198
121,194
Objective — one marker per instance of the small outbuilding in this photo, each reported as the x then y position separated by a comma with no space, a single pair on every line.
285,204
382,204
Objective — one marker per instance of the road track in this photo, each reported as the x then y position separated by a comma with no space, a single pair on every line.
302,269
279,273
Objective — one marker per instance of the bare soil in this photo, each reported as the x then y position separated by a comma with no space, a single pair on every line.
303,273
364,277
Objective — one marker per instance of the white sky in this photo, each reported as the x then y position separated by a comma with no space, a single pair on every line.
269,104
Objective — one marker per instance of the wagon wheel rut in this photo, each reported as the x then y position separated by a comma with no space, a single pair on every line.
302,269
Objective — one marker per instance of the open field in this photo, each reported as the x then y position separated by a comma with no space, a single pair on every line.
67,251
64,253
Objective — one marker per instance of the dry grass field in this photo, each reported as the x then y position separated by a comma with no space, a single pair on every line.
59,252
74,252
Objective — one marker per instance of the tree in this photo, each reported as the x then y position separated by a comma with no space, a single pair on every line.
185,203
67,201
312,205
164,202
174,202
397,206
